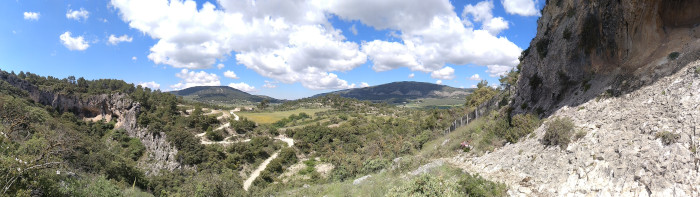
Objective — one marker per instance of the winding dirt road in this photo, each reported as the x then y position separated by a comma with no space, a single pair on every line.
248,182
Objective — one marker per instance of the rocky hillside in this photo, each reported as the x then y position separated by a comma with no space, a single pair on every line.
401,91
117,106
643,143
587,47
220,94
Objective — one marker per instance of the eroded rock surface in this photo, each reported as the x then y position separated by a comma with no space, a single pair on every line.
620,153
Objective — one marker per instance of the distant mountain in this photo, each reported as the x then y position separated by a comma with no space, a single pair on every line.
397,92
220,94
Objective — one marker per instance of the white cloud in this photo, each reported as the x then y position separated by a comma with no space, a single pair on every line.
114,40
444,73
289,41
134,58
230,74
439,82
472,86
443,39
520,7
498,70
220,66
475,77
242,87
151,84
353,29
32,16
270,84
77,15
192,78
294,41
73,43
411,75
482,12
364,85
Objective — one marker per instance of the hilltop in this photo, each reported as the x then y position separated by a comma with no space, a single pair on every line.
220,95
398,92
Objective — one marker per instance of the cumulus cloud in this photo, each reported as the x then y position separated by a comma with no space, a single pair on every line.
77,15
134,58
520,7
152,84
482,12
32,16
114,40
498,70
294,41
442,38
364,85
230,74
73,43
439,82
220,66
270,84
192,78
475,77
411,75
444,73
242,87
289,41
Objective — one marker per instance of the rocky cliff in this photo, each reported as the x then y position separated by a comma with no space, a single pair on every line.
584,48
642,143
161,155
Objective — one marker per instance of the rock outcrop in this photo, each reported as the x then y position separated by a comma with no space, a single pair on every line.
587,47
621,153
118,106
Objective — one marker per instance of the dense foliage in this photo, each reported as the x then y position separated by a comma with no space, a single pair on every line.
482,94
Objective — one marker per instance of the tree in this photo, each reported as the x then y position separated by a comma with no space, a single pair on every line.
482,94
263,104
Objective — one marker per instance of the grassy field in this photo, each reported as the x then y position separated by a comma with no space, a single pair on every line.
435,103
271,117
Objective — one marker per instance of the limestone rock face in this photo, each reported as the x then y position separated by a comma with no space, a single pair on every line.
587,47
620,154
161,155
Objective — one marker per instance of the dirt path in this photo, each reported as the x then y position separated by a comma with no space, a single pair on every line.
248,182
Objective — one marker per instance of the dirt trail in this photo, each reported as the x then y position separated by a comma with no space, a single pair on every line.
248,182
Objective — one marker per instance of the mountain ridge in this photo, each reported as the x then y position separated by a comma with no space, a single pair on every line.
401,91
220,94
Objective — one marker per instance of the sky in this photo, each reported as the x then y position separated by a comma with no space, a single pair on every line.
286,49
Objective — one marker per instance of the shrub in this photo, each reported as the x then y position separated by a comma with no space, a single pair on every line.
558,132
425,185
673,55
214,135
476,186
697,70
567,34
668,137
542,47
522,125
375,165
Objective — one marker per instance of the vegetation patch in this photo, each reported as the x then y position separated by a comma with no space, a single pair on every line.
567,34
558,133
667,137
673,55
542,47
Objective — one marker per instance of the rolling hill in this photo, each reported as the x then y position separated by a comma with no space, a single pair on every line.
220,95
398,92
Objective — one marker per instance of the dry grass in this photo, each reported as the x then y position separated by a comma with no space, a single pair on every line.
271,117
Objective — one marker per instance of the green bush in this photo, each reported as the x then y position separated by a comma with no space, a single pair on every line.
542,47
558,132
476,186
243,125
521,125
425,185
375,165
668,137
673,55
567,34
214,135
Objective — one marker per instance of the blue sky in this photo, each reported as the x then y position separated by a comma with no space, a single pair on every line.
281,48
